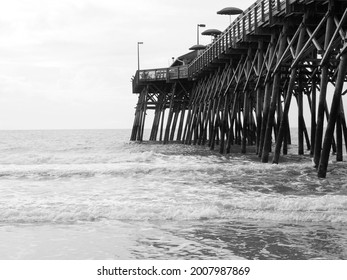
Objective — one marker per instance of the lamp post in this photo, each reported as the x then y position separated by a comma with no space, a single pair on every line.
197,35
138,55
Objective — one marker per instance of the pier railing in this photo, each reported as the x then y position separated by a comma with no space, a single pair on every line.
260,13
160,74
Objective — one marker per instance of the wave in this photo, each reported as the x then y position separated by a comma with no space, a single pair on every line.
70,209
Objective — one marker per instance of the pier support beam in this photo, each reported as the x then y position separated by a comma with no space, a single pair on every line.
334,112
322,95
274,97
140,115
260,93
267,93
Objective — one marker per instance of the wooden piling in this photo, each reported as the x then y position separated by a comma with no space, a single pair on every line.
334,111
322,95
312,102
299,99
260,92
170,115
181,122
339,144
343,123
274,97
267,95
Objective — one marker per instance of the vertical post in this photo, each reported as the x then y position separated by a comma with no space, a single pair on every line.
300,119
246,106
153,135
262,11
136,120
267,98
287,7
171,112
284,126
138,55
322,96
197,32
239,121
343,122
224,123
180,127
259,96
162,122
139,121
313,115
327,114
286,135
275,94
270,11
174,122
142,114
339,145
255,11
334,111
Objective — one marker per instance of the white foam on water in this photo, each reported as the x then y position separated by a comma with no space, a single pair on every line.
168,204
176,185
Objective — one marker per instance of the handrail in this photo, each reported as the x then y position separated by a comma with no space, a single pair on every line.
161,74
247,22
152,74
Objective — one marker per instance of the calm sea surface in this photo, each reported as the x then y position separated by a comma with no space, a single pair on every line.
92,194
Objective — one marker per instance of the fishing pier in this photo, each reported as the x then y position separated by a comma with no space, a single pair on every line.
238,89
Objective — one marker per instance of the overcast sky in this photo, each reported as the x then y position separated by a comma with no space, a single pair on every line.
68,64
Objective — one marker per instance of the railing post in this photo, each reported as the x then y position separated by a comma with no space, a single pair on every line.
287,7
234,36
262,11
270,12
238,30
243,28
225,42
229,38
220,42
219,46
250,21
137,76
255,18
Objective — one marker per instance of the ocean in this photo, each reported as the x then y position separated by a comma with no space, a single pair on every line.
93,194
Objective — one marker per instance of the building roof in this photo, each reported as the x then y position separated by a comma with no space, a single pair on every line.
185,59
